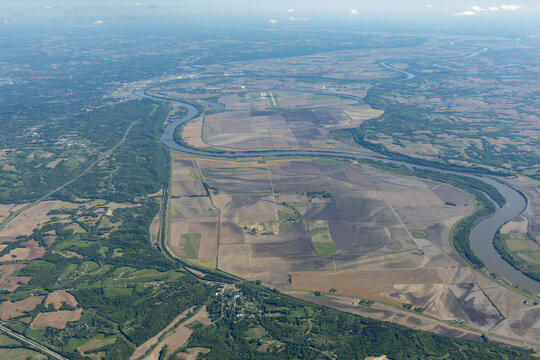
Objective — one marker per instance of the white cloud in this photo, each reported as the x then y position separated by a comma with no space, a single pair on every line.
10,21
49,7
473,10
510,7
465,13
98,22
274,21
429,6
291,10
138,4
354,12
477,9
294,18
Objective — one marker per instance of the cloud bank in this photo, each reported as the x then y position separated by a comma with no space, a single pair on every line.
475,10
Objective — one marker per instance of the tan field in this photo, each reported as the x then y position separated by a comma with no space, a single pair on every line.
186,179
49,239
370,218
54,163
9,310
31,251
97,343
241,208
297,123
56,319
155,228
8,282
194,228
59,297
390,233
141,350
179,337
519,225
191,134
359,114
27,221
371,284
6,209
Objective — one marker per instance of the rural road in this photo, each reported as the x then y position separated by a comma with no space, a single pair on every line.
32,343
103,156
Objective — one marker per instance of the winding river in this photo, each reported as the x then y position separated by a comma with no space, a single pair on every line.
390,67
481,236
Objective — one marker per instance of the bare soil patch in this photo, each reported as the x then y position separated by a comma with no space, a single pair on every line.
231,234
196,208
59,297
155,228
49,239
527,328
239,180
26,221
239,208
236,259
141,350
191,134
8,282
480,310
369,284
9,310
56,319
182,333
437,299
186,179
31,251
517,226
6,209
510,304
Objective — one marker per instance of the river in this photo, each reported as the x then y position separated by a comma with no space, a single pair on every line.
481,236
409,75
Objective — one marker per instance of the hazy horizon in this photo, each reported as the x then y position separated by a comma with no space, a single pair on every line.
463,15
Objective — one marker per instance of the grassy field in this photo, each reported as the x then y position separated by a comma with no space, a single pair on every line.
192,243
321,238
418,234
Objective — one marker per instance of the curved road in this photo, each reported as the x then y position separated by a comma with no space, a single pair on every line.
481,236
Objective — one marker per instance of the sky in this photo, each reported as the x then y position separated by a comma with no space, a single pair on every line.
275,12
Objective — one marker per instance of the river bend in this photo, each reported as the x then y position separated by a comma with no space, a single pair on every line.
482,234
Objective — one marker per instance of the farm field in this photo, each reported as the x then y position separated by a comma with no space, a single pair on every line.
113,246
344,229
284,128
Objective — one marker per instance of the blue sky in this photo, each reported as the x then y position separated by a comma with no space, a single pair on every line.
272,12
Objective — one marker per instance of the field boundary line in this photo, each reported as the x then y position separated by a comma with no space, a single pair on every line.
400,221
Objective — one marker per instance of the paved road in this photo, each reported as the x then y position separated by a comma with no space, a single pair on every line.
32,343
